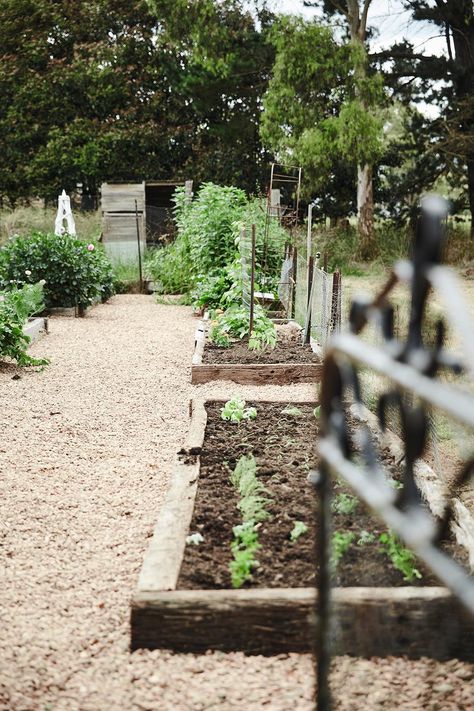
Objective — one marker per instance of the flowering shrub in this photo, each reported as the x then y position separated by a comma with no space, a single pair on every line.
75,273
15,307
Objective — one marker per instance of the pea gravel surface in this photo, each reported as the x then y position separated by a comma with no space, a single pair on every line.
86,449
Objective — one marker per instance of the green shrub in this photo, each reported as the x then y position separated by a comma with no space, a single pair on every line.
15,308
75,273
205,238
235,323
269,256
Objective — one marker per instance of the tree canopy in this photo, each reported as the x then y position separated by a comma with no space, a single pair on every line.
115,90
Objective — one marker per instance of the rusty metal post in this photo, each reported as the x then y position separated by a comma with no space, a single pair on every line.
294,275
140,273
333,322
252,280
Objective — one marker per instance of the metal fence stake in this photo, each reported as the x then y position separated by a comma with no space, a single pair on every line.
252,280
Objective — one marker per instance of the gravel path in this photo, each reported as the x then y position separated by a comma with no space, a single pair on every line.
85,451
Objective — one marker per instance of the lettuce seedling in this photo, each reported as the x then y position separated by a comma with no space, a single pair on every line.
235,411
299,528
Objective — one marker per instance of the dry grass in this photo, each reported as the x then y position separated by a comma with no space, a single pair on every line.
23,220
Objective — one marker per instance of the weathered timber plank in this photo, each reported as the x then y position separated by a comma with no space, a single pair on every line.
200,341
197,427
165,553
258,374
367,622
164,556
117,197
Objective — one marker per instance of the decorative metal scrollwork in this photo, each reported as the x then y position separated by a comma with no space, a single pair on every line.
412,366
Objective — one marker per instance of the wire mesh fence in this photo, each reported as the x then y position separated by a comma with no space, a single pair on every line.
323,312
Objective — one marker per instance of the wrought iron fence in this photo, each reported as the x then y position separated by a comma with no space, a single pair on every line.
412,367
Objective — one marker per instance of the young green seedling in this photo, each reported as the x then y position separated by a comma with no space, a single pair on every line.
402,558
344,504
340,544
299,528
235,411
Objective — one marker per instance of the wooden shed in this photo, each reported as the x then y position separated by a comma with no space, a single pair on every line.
145,207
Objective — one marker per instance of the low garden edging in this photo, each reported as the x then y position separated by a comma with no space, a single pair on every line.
260,368
171,610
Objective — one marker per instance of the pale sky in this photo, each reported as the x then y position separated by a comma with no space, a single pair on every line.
391,21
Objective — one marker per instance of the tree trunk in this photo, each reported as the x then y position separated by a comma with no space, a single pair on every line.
470,192
365,210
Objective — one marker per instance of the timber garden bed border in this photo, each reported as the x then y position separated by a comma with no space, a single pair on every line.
371,621
250,373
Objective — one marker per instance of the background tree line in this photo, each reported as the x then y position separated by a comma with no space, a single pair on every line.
116,90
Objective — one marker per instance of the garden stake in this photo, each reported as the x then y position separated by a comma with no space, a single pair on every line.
252,281
293,282
307,335
139,249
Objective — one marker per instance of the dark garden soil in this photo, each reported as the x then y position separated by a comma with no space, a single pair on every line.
239,353
282,445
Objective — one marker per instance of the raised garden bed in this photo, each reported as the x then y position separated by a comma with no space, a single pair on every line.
184,600
35,327
288,363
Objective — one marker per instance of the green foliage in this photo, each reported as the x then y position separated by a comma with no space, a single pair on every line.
243,547
235,411
321,110
74,272
252,508
251,490
292,411
344,504
15,308
299,528
170,268
402,558
205,240
209,225
234,322
317,412
365,538
121,88
268,257
210,289
340,544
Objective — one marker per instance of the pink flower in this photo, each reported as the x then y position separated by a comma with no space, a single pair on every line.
90,247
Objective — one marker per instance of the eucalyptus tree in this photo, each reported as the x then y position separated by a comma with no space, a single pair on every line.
362,115
322,108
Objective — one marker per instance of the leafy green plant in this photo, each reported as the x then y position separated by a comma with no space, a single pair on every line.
252,508
235,411
234,322
365,538
340,544
299,528
15,308
75,273
344,504
402,558
243,547
317,412
292,411
251,490
210,289
205,240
